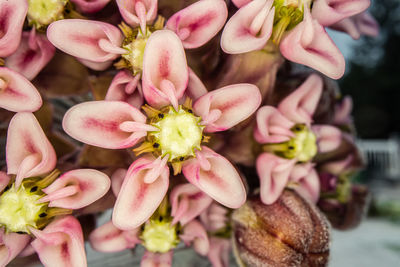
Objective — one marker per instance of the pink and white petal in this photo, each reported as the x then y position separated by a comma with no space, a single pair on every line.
328,137
128,10
240,3
86,186
17,94
124,87
195,88
11,244
339,166
100,41
367,24
138,200
308,181
98,123
99,66
4,180
199,22
32,55
12,17
215,217
27,251
187,203
349,26
219,252
117,178
108,238
310,45
60,243
328,12
272,126
28,151
90,6
165,71
235,102
195,234
300,105
151,259
343,111
249,28
221,181
273,173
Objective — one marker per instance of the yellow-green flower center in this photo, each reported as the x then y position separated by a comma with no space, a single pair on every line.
303,146
179,135
19,208
43,12
288,13
159,235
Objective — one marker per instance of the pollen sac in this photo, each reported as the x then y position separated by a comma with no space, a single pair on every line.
179,135
42,13
290,232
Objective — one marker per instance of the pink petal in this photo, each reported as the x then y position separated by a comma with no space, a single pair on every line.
199,22
187,203
234,102
240,3
124,87
98,123
310,45
11,244
101,42
117,178
221,182
272,126
90,6
339,166
17,94
343,111
328,12
249,28
219,252
99,66
4,180
12,17
194,232
328,137
367,24
308,180
165,71
273,172
215,217
108,238
60,243
87,186
29,152
300,105
150,259
195,88
138,200
128,10
32,55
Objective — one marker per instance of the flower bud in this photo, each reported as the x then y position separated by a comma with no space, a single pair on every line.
290,232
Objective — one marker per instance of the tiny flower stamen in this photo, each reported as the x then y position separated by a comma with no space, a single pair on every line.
42,13
303,146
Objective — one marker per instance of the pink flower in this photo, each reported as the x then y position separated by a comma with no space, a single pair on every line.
291,142
36,196
355,26
300,37
17,93
90,6
171,132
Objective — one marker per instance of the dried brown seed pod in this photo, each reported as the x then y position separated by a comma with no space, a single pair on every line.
290,232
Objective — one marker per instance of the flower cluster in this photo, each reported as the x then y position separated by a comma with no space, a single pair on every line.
171,113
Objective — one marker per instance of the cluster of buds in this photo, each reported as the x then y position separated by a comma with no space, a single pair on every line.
186,131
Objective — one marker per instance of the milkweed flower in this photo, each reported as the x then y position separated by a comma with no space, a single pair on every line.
163,231
290,142
171,133
34,198
293,27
